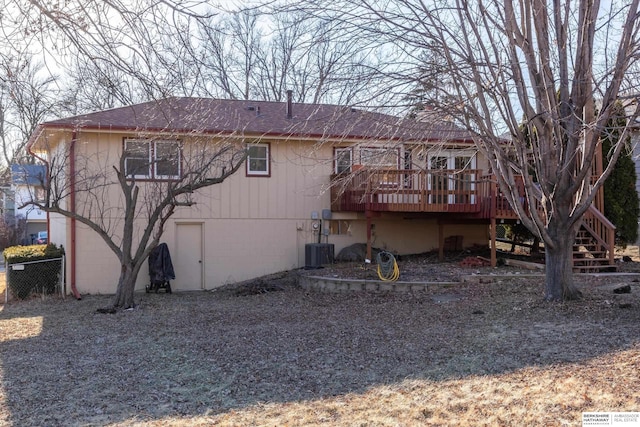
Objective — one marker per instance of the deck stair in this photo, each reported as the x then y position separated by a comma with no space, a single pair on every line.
594,244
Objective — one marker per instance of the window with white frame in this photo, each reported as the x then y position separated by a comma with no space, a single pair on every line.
166,160
258,160
149,159
452,176
342,160
39,194
384,160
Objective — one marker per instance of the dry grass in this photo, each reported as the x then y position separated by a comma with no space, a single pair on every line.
474,354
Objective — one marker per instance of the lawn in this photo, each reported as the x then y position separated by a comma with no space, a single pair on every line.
489,353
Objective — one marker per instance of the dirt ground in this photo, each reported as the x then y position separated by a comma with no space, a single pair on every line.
489,353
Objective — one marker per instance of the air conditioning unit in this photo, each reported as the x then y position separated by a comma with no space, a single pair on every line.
318,254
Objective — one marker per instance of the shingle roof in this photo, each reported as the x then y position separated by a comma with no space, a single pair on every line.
28,174
203,115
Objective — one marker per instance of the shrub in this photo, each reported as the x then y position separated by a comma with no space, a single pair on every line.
621,203
36,277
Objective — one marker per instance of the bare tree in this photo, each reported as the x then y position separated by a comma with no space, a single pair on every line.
26,99
94,86
127,214
524,77
260,55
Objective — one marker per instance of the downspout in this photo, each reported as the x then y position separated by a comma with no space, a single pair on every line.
72,201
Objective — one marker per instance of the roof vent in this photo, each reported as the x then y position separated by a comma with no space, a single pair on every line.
250,108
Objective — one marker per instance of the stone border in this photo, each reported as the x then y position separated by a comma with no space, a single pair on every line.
331,284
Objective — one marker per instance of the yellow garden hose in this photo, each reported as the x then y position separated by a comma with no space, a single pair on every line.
388,270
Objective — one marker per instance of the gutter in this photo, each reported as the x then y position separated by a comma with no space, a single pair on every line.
225,133
72,201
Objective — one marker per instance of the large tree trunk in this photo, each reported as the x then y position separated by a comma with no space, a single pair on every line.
559,284
126,287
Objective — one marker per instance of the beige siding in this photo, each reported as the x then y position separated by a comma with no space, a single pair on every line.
291,192
251,225
97,268
410,236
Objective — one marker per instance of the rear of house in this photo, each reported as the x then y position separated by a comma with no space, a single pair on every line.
303,162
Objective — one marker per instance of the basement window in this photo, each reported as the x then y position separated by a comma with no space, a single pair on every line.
339,226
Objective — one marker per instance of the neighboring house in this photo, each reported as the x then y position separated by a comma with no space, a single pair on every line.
315,173
26,186
7,205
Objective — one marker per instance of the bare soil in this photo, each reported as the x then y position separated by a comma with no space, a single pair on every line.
267,352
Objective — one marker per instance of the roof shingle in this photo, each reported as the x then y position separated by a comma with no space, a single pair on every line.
212,116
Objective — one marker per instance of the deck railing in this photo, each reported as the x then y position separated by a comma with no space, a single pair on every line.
442,190
495,203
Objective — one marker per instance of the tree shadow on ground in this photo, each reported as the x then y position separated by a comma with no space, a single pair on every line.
207,353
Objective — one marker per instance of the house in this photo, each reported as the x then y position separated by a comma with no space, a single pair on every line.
314,174
27,185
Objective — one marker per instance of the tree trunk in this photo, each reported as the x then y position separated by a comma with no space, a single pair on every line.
126,287
559,284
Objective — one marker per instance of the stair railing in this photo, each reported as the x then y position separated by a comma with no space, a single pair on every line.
601,230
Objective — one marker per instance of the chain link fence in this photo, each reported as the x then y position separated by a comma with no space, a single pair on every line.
26,279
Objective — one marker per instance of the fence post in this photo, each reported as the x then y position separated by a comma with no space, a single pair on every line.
62,277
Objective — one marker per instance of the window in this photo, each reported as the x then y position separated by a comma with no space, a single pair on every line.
339,226
258,160
452,177
408,165
39,194
147,159
342,160
138,158
167,159
383,160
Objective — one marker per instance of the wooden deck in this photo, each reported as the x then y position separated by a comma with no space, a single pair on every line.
440,191
466,193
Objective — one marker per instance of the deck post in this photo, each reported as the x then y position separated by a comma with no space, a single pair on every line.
494,258
440,241
368,215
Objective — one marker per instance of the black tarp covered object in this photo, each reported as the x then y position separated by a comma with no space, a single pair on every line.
160,268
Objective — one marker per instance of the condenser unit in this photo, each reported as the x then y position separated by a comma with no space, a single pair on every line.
318,254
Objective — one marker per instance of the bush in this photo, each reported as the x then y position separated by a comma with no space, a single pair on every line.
37,277
621,204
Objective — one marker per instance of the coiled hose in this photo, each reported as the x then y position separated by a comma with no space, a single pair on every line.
388,270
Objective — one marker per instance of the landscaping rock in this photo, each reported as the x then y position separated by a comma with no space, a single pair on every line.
355,253
622,289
